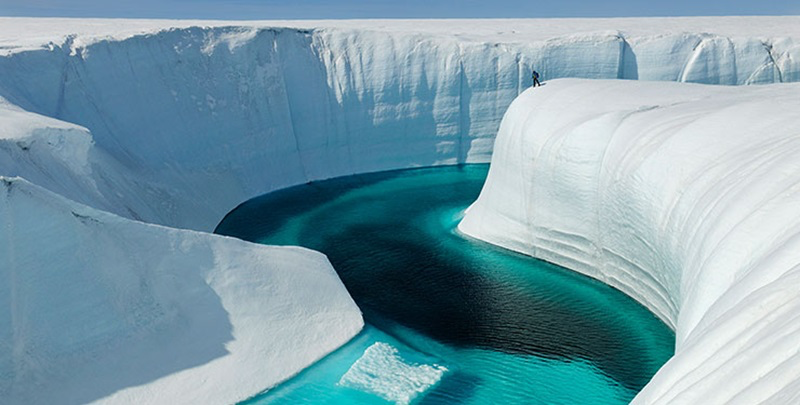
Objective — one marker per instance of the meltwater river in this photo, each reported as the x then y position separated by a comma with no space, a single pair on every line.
450,319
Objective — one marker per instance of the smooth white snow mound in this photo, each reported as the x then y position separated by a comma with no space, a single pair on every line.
102,308
383,372
63,158
683,196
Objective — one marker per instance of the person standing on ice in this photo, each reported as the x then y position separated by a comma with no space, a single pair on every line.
535,76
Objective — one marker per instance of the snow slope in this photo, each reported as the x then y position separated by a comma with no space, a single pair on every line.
97,306
129,122
103,308
684,197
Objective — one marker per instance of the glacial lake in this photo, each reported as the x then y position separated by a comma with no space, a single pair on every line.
450,319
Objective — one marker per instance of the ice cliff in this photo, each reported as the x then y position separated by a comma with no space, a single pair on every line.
173,123
684,197
202,116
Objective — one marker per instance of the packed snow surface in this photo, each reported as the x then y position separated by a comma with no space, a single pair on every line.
683,196
109,126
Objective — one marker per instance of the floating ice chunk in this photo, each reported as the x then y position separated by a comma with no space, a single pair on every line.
383,372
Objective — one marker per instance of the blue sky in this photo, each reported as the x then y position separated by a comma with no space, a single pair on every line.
306,9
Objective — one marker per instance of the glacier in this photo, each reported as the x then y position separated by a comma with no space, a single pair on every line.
682,196
159,128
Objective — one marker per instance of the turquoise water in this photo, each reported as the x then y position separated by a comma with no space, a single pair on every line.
450,319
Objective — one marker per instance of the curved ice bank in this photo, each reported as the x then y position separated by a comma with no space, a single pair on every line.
100,308
199,116
683,196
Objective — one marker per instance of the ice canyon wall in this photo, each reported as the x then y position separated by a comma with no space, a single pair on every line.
197,120
684,197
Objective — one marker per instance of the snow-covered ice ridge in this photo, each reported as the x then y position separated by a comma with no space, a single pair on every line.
683,196
196,117
108,127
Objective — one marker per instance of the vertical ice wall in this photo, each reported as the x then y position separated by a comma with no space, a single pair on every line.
204,118
683,196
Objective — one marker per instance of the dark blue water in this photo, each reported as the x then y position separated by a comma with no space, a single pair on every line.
451,319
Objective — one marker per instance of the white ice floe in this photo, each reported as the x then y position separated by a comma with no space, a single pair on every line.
683,196
383,372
